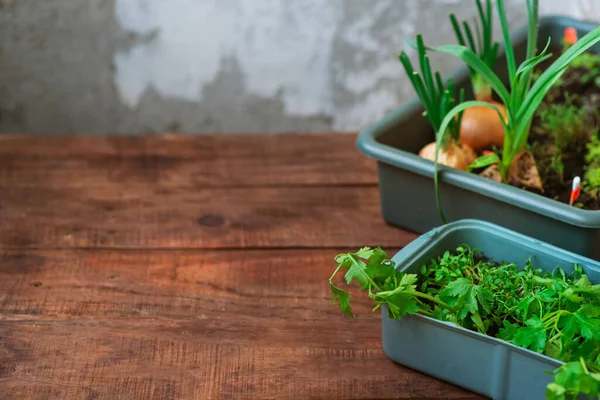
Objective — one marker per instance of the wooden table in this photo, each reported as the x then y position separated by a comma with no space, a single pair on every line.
190,267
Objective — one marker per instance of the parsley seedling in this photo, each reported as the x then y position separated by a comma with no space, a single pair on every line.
551,313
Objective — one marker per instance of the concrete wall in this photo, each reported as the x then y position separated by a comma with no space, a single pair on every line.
137,66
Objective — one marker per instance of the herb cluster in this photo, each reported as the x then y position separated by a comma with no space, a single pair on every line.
555,314
518,97
567,123
591,179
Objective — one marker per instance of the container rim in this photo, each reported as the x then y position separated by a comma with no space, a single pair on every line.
367,143
480,336
408,255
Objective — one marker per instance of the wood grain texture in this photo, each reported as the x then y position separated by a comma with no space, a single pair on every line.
191,324
287,284
190,267
180,161
139,360
153,217
221,191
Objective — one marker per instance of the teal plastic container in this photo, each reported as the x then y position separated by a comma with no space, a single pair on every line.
406,180
482,364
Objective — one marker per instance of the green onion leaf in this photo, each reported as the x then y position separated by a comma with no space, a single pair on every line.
484,161
471,59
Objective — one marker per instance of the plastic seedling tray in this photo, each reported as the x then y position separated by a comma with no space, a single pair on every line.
468,359
406,180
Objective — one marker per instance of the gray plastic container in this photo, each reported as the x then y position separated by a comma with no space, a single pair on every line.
406,180
482,364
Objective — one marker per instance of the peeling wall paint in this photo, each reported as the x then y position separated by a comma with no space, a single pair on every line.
138,66
284,48
281,46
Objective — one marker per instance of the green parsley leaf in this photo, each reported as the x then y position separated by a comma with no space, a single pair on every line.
547,295
570,295
593,290
555,391
523,307
465,296
508,331
484,297
532,336
408,282
581,350
401,304
574,378
379,271
552,313
443,314
375,256
366,252
356,271
476,318
583,282
583,322
589,324
553,348
343,299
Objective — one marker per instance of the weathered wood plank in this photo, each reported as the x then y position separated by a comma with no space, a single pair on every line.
289,286
143,359
152,216
191,324
181,161
160,267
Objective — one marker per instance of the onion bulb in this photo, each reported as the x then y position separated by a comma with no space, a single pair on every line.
481,126
459,157
522,172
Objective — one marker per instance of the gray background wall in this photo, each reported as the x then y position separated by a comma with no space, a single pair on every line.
138,66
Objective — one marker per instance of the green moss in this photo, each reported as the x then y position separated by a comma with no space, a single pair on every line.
591,178
586,60
591,63
591,181
567,124
593,155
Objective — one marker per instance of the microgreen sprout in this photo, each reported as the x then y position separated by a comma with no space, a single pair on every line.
591,179
567,124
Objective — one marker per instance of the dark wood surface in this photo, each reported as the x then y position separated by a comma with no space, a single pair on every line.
190,267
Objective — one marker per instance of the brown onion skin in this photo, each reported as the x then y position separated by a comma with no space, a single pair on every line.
455,156
481,127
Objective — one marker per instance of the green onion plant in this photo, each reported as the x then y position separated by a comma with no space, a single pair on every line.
437,99
521,98
483,45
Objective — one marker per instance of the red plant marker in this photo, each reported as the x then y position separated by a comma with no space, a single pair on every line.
575,190
570,35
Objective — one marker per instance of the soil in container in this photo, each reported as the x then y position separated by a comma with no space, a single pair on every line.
552,313
564,134
545,139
